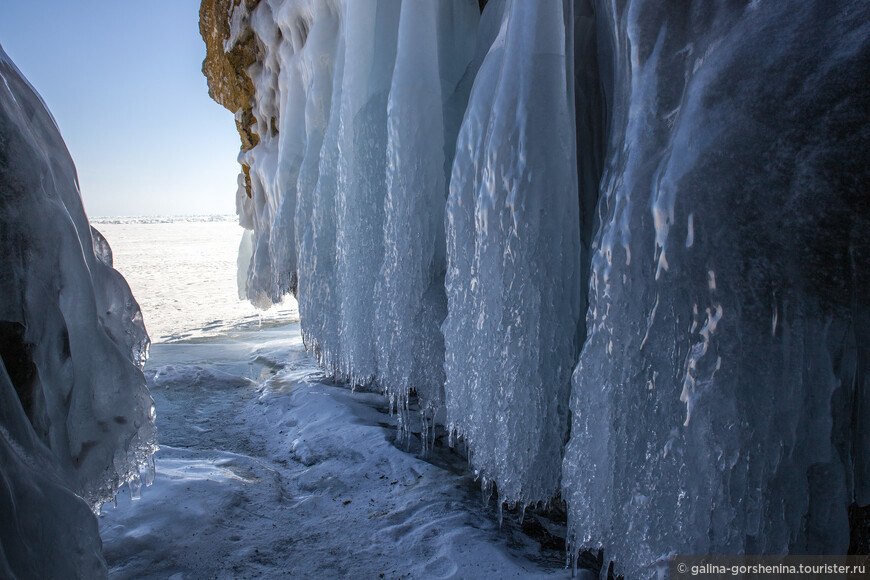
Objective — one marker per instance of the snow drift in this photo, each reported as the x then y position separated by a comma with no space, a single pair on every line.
447,193
76,419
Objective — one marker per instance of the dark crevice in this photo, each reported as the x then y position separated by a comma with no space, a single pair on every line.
592,56
859,529
17,357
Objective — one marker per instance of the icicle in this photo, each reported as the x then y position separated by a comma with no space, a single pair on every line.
424,432
150,470
135,485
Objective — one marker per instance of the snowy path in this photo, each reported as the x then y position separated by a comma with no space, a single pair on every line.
267,471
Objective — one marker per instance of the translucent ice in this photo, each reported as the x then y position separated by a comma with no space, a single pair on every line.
513,247
76,415
435,45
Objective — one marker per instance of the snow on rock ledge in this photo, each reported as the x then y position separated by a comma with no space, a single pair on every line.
76,418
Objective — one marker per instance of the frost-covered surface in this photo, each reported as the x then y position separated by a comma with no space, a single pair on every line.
694,173
268,469
77,416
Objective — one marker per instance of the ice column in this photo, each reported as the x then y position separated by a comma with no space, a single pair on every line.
513,247
435,46
323,57
371,34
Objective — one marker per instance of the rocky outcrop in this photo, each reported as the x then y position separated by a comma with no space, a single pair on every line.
231,47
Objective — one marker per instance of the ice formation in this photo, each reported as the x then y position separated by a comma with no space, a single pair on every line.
354,148
719,404
513,245
447,194
77,419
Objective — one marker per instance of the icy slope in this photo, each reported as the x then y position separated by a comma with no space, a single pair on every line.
77,416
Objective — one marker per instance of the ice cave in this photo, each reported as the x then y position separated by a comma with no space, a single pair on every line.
614,253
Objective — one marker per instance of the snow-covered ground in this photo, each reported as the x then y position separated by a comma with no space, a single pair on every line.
267,469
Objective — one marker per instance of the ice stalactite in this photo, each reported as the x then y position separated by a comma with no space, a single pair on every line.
337,164
718,402
77,418
371,36
435,46
318,178
513,245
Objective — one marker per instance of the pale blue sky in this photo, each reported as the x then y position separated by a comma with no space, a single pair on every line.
123,80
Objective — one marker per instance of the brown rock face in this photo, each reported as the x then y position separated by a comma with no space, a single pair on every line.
226,70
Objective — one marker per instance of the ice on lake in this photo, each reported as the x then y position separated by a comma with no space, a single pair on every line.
183,270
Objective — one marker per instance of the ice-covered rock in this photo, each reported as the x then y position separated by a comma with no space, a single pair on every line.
46,530
719,404
77,418
693,172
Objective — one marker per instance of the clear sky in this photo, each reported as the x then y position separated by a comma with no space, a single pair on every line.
123,81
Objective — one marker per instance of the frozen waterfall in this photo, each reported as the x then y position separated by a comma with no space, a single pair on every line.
665,201
719,404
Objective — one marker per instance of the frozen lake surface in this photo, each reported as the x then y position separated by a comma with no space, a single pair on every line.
267,469
182,271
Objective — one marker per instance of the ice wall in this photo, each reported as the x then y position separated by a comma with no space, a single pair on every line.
720,402
77,419
436,42
354,148
357,128
446,194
